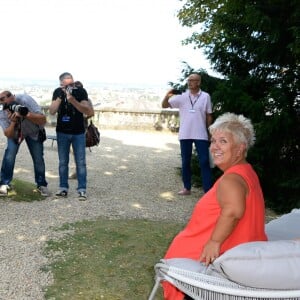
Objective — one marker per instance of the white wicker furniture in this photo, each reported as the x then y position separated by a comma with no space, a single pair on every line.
186,275
190,278
206,287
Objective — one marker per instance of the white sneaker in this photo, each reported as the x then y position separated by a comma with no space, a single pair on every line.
43,191
4,190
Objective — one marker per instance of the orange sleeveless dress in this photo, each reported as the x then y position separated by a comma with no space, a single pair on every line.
191,240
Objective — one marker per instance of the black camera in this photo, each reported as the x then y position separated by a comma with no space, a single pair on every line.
22,110
176,92
72,89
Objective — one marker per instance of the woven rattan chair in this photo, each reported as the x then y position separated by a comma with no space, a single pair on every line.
192,279
207,287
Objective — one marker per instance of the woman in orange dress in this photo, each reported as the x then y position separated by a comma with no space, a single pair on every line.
232,211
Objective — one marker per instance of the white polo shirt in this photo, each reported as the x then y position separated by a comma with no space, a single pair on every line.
192,114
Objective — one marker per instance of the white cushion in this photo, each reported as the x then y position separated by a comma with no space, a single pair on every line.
287,227
186,264
271,265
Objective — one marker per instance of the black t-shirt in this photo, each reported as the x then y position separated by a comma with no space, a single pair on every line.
69,119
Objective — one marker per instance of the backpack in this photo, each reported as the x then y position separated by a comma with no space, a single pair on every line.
92,135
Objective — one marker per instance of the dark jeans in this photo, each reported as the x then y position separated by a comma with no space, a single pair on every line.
186,147
36,150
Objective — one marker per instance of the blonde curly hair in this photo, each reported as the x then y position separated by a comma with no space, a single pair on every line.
240,127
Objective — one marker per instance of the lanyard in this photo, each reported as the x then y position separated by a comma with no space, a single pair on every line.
193,103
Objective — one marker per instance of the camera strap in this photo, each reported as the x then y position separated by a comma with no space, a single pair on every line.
19,133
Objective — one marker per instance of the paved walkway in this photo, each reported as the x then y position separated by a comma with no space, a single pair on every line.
130,175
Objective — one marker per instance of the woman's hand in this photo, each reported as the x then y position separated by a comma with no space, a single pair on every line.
211,251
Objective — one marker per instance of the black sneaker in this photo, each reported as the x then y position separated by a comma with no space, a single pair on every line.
61,193
82,196
43,191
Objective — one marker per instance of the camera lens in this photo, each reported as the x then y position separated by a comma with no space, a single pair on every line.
176,92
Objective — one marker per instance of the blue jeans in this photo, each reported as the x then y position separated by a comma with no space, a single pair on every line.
36,150
186,147
64,142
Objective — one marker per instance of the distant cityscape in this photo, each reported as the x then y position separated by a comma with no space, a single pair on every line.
103,95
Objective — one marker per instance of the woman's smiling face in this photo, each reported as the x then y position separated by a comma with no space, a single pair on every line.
225,151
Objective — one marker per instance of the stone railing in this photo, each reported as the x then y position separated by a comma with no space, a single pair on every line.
165,119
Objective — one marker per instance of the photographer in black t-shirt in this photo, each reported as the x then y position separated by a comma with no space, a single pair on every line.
70,102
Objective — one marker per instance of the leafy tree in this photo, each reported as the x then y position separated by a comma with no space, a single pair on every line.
255,45
208,83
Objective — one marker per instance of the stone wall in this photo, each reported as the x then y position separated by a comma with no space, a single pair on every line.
165,119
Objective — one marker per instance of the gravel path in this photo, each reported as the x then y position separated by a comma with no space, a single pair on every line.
130,175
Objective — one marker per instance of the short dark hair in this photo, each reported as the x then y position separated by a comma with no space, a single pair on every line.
63,75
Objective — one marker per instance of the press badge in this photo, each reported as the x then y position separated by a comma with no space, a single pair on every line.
192,111
66,119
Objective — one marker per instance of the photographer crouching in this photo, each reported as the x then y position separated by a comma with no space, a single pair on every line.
21,118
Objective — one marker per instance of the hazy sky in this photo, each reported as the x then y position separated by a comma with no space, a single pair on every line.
127,41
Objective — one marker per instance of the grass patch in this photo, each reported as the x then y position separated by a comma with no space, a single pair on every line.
23,191
108,259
